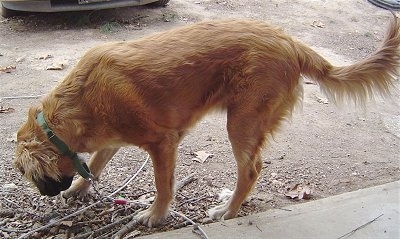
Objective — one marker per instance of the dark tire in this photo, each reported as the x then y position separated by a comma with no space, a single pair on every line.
5,12
160,3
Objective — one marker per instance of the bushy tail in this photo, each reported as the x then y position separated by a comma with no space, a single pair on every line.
359,81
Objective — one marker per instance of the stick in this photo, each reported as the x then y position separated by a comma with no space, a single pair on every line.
22,97
185,181
196,228
126,229
13,230
97,232
360,227
194,200
85,208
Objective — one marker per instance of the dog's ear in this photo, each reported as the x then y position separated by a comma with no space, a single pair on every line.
35,157
36,161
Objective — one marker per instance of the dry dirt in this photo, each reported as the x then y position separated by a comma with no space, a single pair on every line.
334,150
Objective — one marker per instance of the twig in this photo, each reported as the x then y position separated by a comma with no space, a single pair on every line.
142,193
284,209
194,200
13,230
184,223
17,210
85,208
185,181
125,229
22,97
97,232
360,227
258,228
196,228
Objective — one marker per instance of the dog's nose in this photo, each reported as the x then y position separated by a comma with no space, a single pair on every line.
50,187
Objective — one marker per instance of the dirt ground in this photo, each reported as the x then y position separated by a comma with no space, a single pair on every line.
332,150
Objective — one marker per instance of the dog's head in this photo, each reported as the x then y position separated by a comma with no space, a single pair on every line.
40,161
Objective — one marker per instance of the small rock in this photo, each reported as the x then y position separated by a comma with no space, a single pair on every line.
277,182
10,186
207,220
20,59
90,214
53,230
36,235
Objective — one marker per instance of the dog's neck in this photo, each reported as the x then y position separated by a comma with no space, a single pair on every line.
79,164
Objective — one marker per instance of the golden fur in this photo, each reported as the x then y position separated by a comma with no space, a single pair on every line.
149,92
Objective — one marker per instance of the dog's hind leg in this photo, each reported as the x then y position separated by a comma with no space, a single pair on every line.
96,164
163,156
246,138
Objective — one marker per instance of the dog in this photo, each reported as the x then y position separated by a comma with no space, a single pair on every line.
150,92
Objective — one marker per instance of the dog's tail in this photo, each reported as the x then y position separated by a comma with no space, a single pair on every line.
361,80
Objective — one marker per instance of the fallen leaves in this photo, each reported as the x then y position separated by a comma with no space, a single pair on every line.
6,110
56,67
43,56
202,156
8,69
67,223
299,191
146,199
318,24
321,100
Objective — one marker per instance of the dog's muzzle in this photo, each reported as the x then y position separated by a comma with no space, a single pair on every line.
51,187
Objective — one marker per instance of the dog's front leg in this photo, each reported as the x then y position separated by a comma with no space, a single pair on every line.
163,157
96,164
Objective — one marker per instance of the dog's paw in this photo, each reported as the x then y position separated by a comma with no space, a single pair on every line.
221,212
149,218
79,189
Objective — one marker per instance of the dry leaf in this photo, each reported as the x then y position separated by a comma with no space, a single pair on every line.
146,199
44,56
318,24
321,100
7,69
12,140
56,67
20,59
67,223
202,156
299,191
6,110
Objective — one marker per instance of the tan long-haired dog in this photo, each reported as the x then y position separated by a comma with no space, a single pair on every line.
149,92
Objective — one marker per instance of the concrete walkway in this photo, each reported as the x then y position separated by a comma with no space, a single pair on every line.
334,217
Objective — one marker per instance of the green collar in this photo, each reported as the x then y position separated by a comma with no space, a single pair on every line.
79,164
